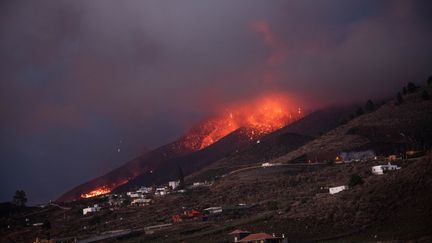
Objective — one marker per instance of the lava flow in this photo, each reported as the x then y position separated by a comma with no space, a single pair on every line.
103,189
261,116
96,192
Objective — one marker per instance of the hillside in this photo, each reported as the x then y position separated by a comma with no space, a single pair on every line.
290,198
391,129
237,148
278,143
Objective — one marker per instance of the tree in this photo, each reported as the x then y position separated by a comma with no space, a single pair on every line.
404,90
181,178
425,95
20,198
411,87
355,180
399,99
370,106
359,111
429,80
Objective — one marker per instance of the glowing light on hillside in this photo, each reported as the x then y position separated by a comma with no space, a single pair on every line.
260,116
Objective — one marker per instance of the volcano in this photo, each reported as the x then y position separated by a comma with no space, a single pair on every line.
209,141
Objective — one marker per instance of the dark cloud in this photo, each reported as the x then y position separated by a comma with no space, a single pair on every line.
78,77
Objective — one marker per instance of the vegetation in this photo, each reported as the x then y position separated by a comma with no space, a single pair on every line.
359,111
399,99
411,87
355,180
429,80
370,106
20,198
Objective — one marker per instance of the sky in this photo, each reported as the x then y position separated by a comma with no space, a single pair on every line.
87,85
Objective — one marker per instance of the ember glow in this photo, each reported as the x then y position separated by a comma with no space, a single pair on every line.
102,190
261,116
96,192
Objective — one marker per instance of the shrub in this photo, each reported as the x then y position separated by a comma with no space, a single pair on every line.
399,99
272,205
411,87
355,180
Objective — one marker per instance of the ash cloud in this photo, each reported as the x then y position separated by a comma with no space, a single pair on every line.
78,77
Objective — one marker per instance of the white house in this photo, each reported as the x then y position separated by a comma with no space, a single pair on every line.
173,184
161,191
93,209
267,164
145,190
380,169
141,201
134,194
337,189
213,210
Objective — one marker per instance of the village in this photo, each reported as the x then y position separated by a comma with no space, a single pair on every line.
193,213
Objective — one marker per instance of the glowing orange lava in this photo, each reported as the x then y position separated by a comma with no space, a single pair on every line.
261,116
103,189
96,192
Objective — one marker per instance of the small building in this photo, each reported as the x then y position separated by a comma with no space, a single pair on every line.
173,184
93,209
355,156
141,201
239,234
161,191
192,214
267,164
337,189
213,210
145,190
134,194
381,169
261,238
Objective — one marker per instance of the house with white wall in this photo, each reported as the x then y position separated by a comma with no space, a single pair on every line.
92,209
381,169
337,189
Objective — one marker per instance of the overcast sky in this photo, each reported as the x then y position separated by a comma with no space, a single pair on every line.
81,79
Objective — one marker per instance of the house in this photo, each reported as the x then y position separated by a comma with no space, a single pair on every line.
381,169
134,194
239,234
357,156
115,201
161,191
213,210
192,214
267,164
141,201
173,184
93,209
261,238
145,190
337,189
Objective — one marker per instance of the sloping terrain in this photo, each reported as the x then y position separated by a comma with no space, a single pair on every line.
391,129
277,143
160,165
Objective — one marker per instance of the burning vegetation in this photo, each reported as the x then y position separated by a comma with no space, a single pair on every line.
259,117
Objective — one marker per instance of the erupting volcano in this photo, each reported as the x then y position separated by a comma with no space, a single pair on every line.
259,117
239,123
